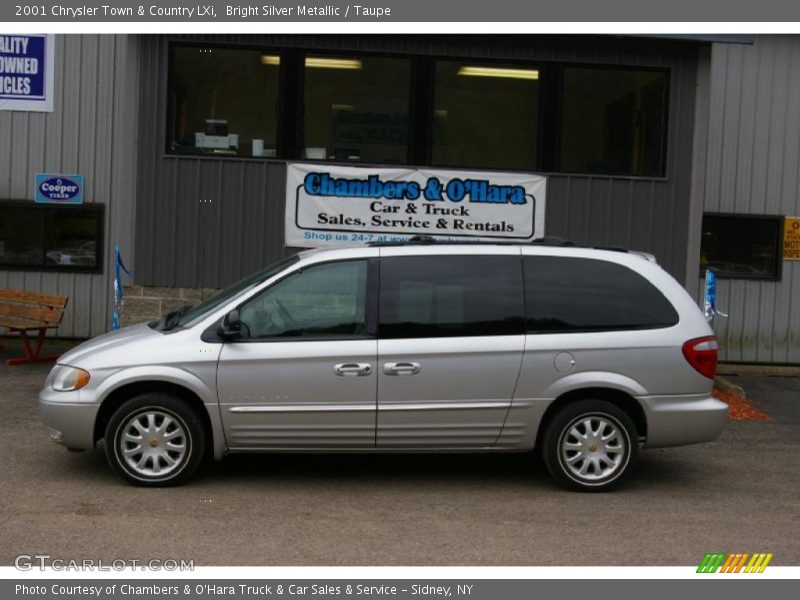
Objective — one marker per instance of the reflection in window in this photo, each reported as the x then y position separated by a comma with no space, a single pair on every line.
444,296
71,239
357,109
613,121
579,294
485,115
741,246
323,301
21,236
36,236
223,101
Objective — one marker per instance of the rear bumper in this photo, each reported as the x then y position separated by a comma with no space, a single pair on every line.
681,420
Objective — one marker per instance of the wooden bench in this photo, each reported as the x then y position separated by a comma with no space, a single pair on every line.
22,311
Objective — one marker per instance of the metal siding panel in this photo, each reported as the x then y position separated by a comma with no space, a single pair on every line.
37,125
71,104
6,126
52,149
18,176
757,91
87,126
730,132
78,136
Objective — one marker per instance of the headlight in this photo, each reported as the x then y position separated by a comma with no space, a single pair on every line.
68,379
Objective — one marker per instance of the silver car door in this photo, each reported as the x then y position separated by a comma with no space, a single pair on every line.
302,374
450,347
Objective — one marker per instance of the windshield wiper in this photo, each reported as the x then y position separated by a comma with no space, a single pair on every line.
170,320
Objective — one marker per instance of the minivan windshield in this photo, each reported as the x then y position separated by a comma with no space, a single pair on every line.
189,316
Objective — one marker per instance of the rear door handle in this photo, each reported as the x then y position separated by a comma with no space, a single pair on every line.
401,368
353,369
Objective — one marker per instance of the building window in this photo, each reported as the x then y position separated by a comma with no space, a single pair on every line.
742,246
485,115
40,237
356,108
223,101
613,121
298,104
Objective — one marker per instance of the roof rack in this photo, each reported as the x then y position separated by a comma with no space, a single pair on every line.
552,241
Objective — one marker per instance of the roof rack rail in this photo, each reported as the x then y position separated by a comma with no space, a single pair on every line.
553,241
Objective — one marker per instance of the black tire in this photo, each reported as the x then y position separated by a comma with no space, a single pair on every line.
604,469
184,429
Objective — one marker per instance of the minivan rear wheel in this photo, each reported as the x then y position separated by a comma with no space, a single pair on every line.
155,439
590,446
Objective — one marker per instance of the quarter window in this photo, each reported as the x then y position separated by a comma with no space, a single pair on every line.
577,294
324,301
448,296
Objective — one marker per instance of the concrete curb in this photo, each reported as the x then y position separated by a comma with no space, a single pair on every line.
758,369
724,385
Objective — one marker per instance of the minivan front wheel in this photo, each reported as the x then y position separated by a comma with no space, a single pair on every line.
154,439
590,446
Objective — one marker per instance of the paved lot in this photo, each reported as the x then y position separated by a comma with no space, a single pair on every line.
739,493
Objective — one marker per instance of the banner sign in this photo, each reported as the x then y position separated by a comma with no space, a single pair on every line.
332,205
26,72
54,188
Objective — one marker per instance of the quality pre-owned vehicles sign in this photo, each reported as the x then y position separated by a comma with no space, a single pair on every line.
330,205
26,72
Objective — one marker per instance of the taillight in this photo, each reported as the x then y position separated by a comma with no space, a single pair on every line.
701,353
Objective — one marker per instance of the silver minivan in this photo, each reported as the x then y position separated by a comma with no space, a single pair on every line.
585,355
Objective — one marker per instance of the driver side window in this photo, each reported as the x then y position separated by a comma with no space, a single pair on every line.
324,301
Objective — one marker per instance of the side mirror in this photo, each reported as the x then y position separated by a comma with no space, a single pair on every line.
231,326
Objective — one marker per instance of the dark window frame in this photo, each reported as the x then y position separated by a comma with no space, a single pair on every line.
779,223
370,308
514,329
283,102
411,102
531,293
558,115
544,69
95,208
421,99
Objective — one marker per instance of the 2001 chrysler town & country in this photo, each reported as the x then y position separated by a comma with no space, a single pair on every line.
585,354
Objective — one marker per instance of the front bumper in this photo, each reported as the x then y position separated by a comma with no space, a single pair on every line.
681,420
71,423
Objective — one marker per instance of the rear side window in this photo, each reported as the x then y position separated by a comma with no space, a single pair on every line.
579,294
448,296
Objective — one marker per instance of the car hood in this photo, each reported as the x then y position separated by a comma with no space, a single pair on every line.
121,339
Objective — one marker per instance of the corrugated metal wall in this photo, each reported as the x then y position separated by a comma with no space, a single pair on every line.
752,167
183,240
92,131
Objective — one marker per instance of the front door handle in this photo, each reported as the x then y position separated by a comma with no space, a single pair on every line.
353,369
401,368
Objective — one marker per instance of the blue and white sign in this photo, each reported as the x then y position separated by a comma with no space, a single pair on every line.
26,72
55,188
334,205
